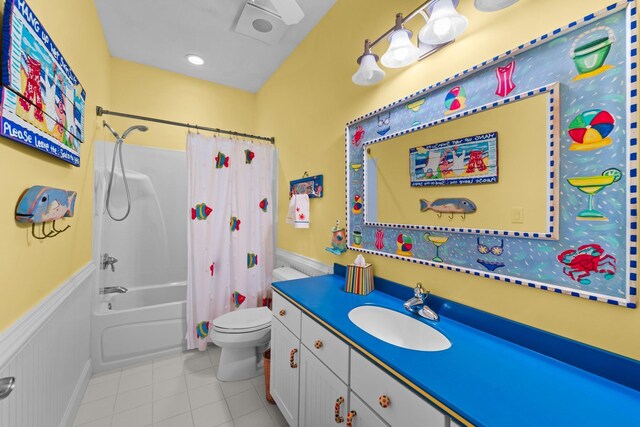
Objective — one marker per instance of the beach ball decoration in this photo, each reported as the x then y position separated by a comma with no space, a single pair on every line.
455,99
590,130
357,204
405,244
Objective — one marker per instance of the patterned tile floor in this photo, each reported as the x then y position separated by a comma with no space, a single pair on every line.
180,391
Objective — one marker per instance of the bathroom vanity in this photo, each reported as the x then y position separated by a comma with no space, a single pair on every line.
326,371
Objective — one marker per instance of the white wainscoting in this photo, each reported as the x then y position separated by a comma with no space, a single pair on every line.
303,264
47,351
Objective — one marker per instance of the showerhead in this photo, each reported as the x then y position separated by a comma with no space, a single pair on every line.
141,128
115,134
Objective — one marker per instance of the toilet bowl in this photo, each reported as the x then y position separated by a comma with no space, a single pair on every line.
243,336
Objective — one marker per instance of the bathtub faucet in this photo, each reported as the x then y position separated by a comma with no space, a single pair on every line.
108,261
113,290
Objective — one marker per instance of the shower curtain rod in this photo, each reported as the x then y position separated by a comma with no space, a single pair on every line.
101,111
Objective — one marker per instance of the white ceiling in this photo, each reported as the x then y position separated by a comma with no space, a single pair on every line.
160,33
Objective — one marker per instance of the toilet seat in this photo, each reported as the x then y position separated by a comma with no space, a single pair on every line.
243,321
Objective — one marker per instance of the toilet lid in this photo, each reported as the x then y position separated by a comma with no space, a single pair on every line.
245,320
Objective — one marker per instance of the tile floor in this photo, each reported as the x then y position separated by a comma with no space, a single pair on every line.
180,391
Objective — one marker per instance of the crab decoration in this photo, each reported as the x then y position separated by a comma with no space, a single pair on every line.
586,260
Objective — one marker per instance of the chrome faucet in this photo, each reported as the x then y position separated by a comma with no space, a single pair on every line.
107,261
113,290
417,304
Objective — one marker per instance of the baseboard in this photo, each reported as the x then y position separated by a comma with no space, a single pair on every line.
301,263
18,334
76,398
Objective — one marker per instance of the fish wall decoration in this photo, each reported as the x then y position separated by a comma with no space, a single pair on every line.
40,204
452,206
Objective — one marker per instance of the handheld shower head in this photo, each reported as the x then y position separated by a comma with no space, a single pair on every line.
141,128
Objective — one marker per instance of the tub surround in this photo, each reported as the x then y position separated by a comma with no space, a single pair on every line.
496,372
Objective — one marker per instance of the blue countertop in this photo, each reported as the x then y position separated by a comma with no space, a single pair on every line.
484,379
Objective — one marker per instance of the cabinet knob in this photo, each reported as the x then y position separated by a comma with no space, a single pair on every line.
318,344
291,358
350,416
339,402
282,312
384,401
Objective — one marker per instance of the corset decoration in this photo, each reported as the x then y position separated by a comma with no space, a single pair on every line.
504,76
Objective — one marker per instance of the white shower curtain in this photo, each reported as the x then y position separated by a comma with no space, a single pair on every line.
230,229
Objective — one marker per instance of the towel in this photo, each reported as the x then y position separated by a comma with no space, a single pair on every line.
298,214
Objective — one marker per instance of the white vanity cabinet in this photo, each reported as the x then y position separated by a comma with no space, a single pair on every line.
323,396
285,358
317,380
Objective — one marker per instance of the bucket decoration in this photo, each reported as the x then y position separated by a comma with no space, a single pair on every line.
357,236
589,57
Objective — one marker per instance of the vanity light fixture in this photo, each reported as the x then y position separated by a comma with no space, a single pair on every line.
369,73
492,5
195,59
443,25
401,51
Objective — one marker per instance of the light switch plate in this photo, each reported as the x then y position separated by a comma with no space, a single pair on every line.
517,215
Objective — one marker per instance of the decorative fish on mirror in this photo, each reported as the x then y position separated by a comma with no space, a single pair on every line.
457,205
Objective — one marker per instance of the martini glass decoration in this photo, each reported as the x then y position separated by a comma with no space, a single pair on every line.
591,185
437,242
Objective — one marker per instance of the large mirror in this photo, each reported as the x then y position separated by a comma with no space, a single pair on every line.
478,172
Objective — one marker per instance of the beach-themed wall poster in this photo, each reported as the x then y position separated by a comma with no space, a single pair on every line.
42,101
310,185
469,160
588,72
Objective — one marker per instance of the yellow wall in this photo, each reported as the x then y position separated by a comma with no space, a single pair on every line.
30,269
310,98
147,91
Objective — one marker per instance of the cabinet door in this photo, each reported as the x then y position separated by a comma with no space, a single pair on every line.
323,397
361,415
395,403
285,371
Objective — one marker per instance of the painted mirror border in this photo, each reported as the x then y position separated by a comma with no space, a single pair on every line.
593,257
551,231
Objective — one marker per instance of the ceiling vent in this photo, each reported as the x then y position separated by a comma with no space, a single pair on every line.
261,24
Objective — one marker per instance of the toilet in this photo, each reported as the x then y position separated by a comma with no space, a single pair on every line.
243,336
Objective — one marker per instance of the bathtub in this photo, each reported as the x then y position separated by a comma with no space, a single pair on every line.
151,248
142,324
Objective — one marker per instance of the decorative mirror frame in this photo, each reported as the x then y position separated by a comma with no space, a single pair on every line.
595,260
553,108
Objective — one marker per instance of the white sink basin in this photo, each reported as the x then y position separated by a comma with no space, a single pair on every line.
398,329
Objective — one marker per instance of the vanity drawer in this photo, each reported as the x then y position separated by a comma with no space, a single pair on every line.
404,407
332,351
287,313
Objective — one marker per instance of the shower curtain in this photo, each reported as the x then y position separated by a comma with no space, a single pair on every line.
230,232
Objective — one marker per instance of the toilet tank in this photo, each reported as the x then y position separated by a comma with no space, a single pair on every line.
281,274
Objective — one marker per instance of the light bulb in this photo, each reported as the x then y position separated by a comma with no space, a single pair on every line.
444,23
368,73
401,51
442,27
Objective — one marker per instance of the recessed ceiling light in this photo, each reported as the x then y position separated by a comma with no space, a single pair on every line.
195,59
